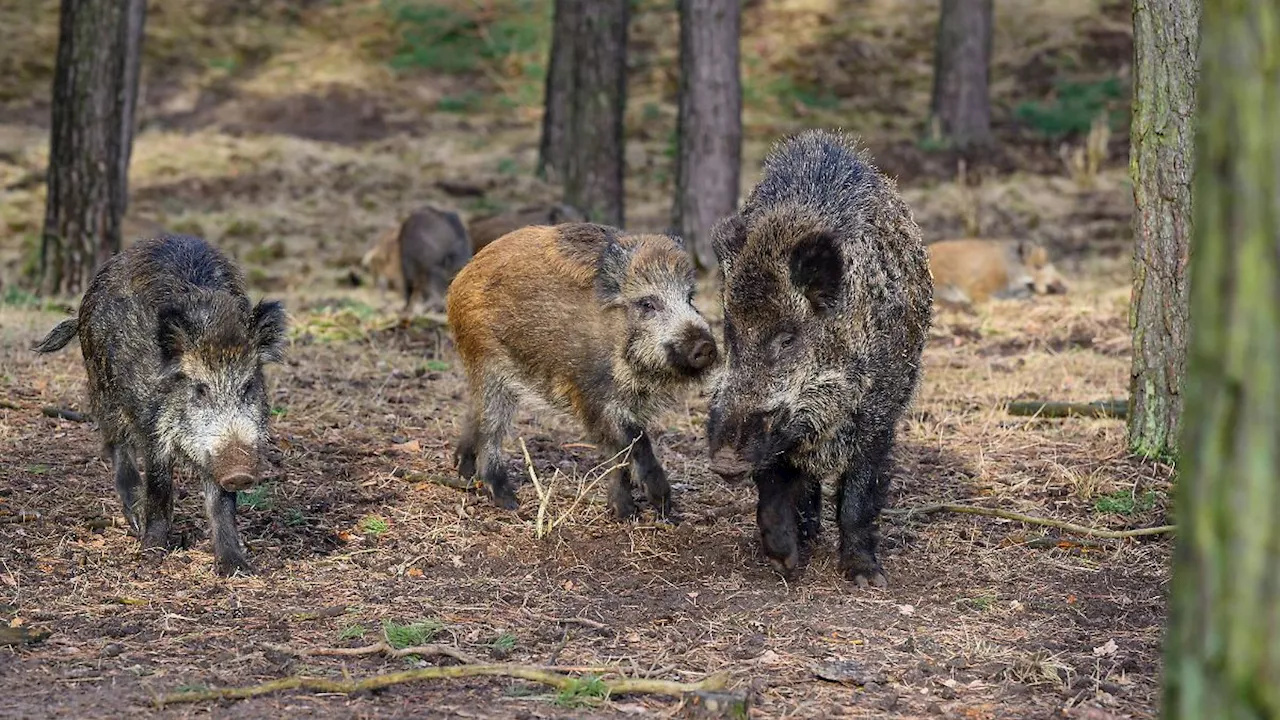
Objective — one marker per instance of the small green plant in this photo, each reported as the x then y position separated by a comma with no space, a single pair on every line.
1125,503
508,166
504,643
981,602
408,635
373,525
279,412
352,632
466,102
1074,107
19,298
436,366
255,498
581,692
37,469
293,517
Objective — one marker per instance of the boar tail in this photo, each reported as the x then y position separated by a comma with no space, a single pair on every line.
58,337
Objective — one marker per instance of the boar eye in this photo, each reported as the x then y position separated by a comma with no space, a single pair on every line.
202,391
247,392
647,305
782,342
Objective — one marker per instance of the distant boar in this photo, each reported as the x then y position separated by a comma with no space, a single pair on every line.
173,351
972,271
382,260
433,248
485,230
593,321
827,303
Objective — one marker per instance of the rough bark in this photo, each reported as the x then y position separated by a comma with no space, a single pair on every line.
1223,646
91,138
709,132
1161,160
962,61
594,156
559,90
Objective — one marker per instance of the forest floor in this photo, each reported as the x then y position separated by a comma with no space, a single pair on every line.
295,171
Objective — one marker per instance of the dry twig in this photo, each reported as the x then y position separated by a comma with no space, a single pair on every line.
1031,520
560,681
64,414
379,647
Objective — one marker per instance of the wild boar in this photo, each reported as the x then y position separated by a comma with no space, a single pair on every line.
972,271
174,351
485,230
827,302
433,248
593,321
382,261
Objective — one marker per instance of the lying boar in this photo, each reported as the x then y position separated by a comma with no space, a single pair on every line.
593,321
382,261
827,303
485,230
972,271
174,351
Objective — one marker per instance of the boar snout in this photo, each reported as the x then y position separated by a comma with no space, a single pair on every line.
694,352
729,465
1057,287
235,467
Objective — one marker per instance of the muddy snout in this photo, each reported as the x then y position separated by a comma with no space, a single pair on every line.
728,464
235,467
694,352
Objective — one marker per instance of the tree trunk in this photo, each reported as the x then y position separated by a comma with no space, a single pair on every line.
559,89
962,62
594,171
94,95
709,132
1164,88
1223,647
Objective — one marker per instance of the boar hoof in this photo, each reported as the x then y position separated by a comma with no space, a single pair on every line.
505,499
623,506
233,565
156,538
864,573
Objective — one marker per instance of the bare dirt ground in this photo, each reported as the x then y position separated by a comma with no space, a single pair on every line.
288,142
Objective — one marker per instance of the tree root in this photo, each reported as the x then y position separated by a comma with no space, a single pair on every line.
1031,520
560,681
380,647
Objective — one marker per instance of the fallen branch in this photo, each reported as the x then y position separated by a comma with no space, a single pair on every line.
1031,520
1100,409
560,681
64,414
20,517
585,622
380,647
9,405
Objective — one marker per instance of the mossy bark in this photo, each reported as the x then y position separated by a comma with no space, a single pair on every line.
961,104
709,132
1165,38
95,89
1223,646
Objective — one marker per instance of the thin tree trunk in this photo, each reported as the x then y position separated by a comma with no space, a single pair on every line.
559,91
1161,160
962,62
595,153
1223,647
709,133
94,95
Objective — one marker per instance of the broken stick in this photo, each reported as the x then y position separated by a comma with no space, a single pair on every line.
1044,409
1032,520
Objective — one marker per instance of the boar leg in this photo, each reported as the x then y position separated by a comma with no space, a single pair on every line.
778,516
499,405
220,506
129,486
810,512
464,455
648,472
155,535
863,488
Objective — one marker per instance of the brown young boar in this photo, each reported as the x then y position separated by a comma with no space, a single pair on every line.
382,261
485,230
827,304
593,321
972,271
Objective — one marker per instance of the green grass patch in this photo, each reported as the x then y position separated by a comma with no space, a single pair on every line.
504,643
400,636
981,603
469,101
1126,503
373,525
255,498
352,632
1073,108
585,691
443,37
293,517
436,366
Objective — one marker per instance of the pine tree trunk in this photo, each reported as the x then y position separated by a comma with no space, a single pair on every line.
962,62
1161,160
593,173
1222,655
91,139
709,133
559,90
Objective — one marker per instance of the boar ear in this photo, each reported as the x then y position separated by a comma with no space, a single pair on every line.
728,236
817,270
676,238
269,323
611,268
173,333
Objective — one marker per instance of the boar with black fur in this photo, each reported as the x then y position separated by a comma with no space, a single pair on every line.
174,351
485,230
592,321
433,248
827,304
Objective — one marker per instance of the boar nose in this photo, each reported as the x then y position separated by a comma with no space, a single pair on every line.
1057,287
729,465
234,467
702,354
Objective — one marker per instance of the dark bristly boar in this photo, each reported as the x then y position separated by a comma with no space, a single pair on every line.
485,230
590,320
174,351
827,303
433,248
